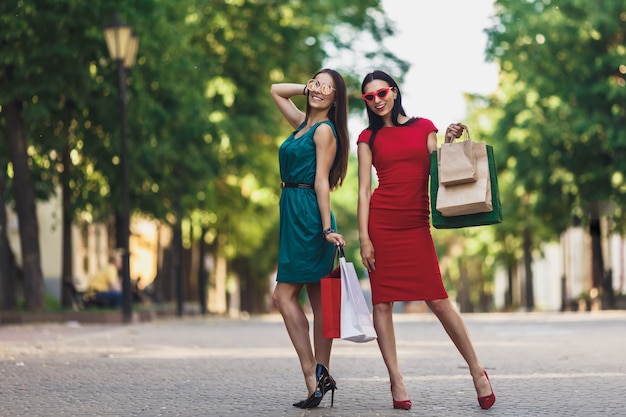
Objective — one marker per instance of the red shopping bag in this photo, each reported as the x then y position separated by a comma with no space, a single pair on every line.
331,304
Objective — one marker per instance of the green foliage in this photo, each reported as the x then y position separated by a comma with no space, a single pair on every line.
563,105
202,131
555,122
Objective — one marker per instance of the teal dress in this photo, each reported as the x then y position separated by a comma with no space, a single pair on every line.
304,255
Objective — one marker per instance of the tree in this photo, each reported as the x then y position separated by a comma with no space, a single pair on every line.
564,69
42,112
8,270
203,134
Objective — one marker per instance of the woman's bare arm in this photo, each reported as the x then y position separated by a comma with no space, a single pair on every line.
282,93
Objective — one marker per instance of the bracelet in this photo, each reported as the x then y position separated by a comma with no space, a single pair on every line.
327,232
304,91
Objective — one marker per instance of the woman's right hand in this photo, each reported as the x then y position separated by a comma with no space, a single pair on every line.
454,131
367,255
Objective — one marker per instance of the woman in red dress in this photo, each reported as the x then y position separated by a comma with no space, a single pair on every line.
394,229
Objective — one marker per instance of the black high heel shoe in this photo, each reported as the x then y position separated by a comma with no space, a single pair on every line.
325,383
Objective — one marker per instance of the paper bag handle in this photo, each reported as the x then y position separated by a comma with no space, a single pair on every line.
340,251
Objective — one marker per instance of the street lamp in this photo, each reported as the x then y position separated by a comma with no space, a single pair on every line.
122,45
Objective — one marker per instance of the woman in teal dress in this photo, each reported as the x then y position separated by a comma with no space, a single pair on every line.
313,161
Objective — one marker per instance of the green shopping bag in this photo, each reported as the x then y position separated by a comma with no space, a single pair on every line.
440,221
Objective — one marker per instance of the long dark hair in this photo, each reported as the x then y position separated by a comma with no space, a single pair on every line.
338,115
375,121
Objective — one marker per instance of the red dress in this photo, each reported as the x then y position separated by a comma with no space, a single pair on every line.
407,268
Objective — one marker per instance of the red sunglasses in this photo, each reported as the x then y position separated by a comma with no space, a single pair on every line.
382,93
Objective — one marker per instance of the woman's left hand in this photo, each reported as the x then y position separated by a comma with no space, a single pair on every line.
455,130
336,238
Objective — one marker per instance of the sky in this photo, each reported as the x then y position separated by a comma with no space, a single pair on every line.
444,41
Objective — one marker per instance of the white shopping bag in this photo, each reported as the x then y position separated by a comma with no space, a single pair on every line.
356,321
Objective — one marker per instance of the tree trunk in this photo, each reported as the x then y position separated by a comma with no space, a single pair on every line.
67,273
253,291
158,283
508,298
528,270
8,269
202,273
166,274
602,280
597,260
177,244
26,209
217,302
464,294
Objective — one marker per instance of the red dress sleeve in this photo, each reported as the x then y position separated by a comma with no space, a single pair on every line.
364,136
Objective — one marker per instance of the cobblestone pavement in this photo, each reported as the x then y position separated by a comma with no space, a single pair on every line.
540,364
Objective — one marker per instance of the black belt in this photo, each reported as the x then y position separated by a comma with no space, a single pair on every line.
295,185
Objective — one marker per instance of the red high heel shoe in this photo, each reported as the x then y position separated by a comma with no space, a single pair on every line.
401,405
488,400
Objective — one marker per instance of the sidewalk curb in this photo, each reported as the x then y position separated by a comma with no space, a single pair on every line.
95,316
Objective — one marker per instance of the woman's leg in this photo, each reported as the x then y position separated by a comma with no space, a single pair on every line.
383,323
286,300
322,345
455,327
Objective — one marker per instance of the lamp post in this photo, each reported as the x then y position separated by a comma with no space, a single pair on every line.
122,45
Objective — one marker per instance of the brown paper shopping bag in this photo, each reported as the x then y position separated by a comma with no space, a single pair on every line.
457,164
468,198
